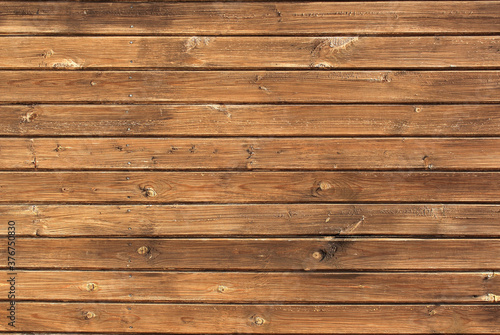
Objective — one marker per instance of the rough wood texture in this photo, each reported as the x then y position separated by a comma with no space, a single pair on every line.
251,153
230,287
249,52
280,18
247,120
258,254
250,86
253,220
289,167
248,187
257,319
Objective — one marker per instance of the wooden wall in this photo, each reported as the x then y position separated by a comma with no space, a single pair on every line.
250,167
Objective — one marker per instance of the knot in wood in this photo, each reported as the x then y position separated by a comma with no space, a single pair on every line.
89,315
326,253
489,276
91,287
30,116
259,321
143,250
317,255
150,192
490,297
325,185
221,289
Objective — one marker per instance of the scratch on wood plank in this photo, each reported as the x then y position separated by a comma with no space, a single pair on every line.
352,227
31,148
221,108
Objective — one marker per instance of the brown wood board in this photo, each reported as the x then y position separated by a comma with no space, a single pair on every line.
255,18
251,86
257,319
436,52
447,220
251,154
275,254
216,120
248,287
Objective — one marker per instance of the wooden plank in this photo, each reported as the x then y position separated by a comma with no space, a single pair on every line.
250,153
304,254
255,319
250,86
248,120
217,287
248,187
249,52
276,18
252,220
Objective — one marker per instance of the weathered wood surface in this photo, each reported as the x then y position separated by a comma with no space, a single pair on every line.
249,52
269,18
275,254
253,220
250,86
251,167
246,120
248,187
251,153
238,287
257,319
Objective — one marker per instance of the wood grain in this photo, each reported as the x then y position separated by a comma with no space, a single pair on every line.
254,167
248,187
301,254
250,86
251,153
249,52
199,319
217,287
253,220
248,120
280,18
